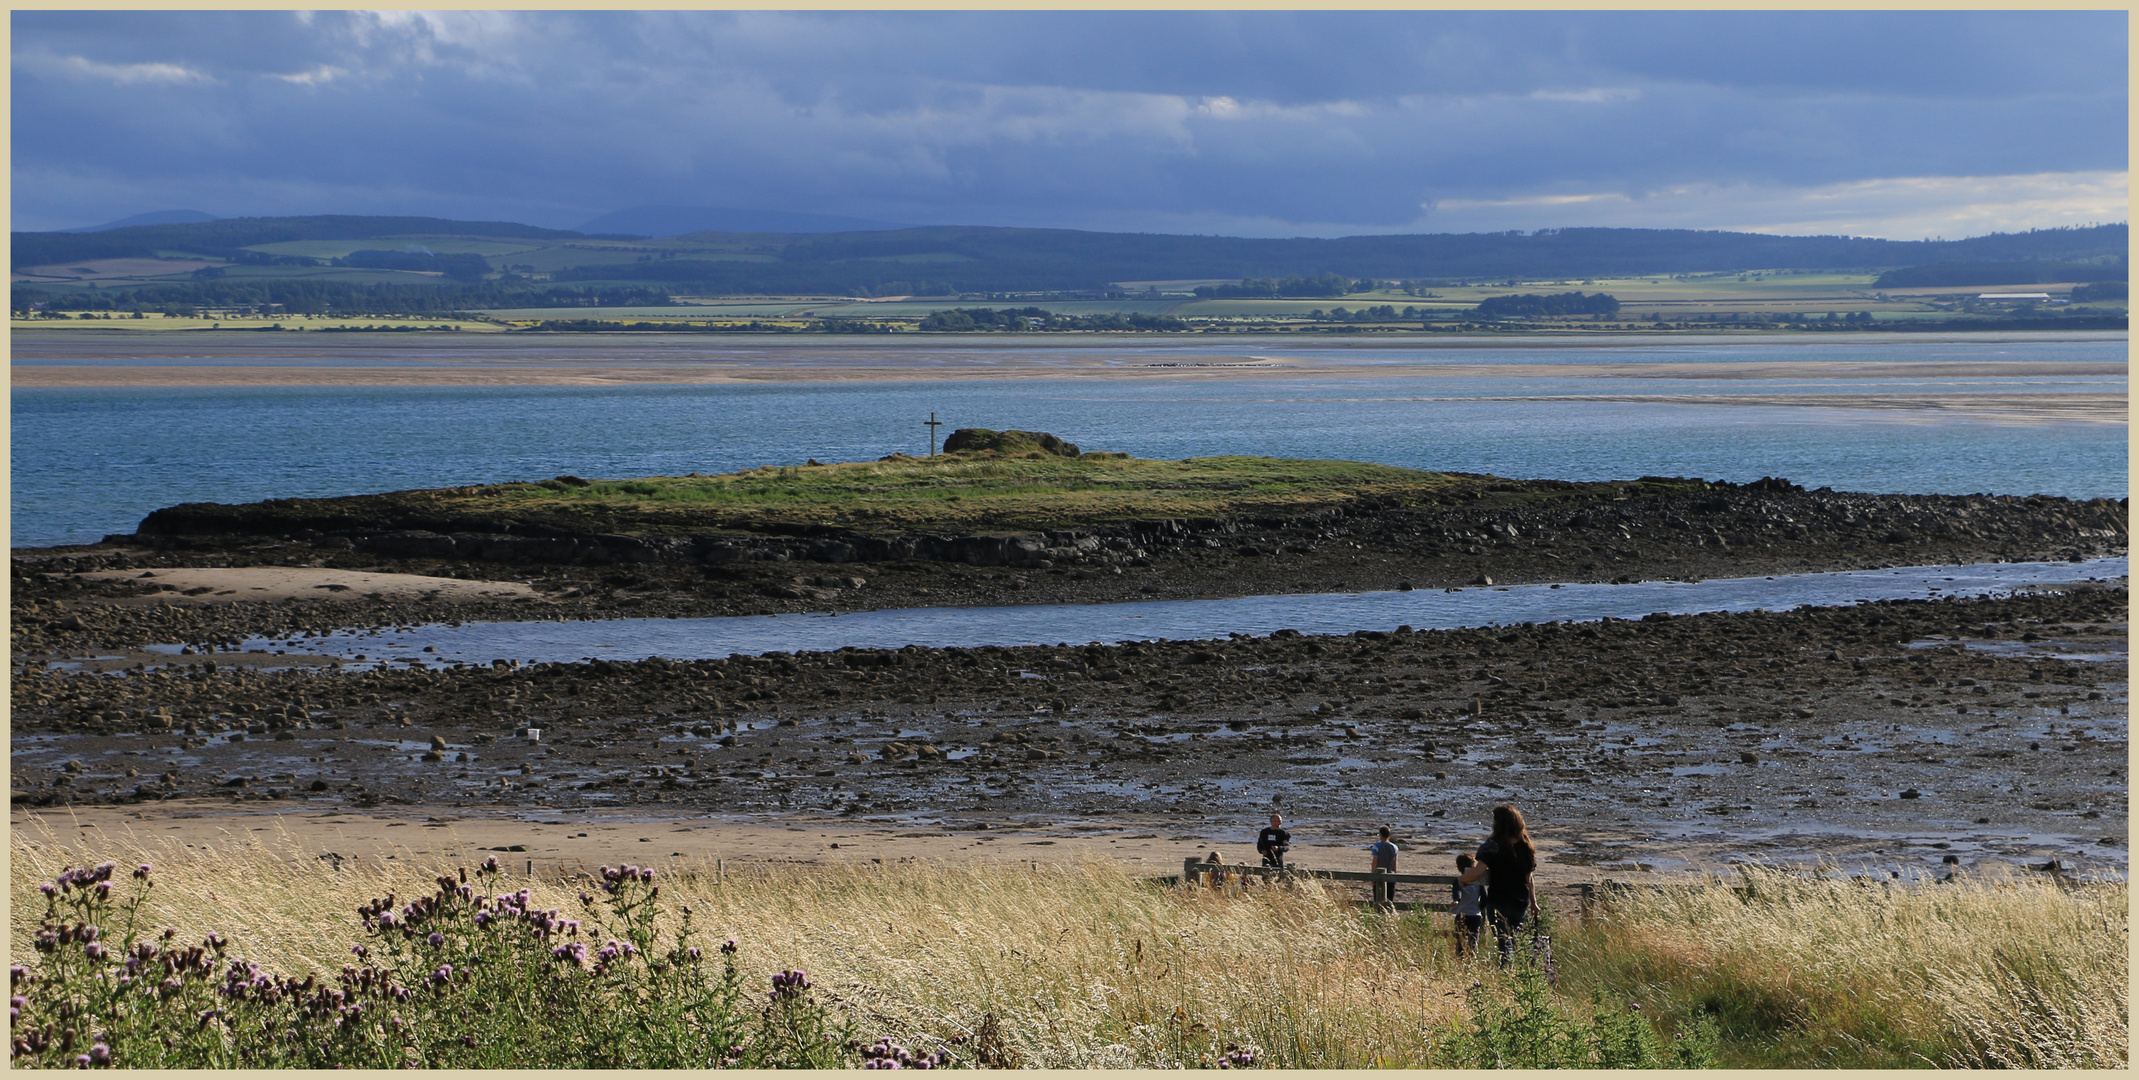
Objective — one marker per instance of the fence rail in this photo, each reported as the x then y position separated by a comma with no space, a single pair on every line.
1192,867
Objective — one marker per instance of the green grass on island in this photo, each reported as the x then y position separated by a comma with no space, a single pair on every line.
965,492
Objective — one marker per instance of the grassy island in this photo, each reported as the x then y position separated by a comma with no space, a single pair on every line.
965,491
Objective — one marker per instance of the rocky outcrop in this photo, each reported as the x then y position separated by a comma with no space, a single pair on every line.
1768,516
1007,443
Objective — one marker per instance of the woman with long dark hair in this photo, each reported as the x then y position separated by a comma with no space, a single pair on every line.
1508,862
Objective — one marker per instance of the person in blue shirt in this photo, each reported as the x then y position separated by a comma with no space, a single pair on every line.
1381,855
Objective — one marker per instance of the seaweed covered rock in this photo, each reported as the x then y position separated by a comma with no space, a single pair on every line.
1007,442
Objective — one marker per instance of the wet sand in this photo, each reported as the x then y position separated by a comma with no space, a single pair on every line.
239,584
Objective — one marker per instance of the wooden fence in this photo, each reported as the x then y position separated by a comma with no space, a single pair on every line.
1192,869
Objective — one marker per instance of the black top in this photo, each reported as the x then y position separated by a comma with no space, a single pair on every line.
1507,879
1272,841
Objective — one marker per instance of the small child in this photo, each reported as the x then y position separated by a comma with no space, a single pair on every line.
1470,915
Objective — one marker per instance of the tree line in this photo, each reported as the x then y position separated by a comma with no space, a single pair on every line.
1011,320
1538,306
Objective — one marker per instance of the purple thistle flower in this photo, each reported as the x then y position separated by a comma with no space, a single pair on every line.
692,952
443,974
436,939
103,890
142,872
359,950
94,950
17,974
728,947
214,941
81,1061
490,865
48,889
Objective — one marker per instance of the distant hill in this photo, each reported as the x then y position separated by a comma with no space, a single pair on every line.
223,235
153,217
659,221
1972,273
979,259
333,261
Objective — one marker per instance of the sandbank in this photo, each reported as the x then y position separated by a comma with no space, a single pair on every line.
230,585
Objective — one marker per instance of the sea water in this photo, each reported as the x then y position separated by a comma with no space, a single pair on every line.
439,645
87,461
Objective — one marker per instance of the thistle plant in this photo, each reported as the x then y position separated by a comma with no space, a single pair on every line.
466,976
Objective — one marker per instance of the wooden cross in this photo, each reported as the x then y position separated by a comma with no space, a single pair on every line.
933,424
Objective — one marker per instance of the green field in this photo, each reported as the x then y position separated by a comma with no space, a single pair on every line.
831,309
151,321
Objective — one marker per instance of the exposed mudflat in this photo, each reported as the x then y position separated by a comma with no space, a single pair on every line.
1902,736
1897,735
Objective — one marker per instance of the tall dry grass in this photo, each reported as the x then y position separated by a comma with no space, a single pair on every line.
2005,970
1087,966
1081,965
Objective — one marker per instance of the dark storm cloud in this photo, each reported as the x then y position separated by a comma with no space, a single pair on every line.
1244,122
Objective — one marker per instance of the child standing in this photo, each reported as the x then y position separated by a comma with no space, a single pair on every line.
1381,858
1468,906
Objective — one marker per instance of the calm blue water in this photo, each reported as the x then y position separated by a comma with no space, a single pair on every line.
1189,620
87,462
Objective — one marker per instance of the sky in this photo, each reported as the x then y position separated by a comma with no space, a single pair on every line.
1896,124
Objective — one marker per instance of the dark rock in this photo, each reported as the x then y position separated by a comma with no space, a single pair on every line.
968,440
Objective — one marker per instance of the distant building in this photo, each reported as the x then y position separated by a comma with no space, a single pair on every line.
2014,296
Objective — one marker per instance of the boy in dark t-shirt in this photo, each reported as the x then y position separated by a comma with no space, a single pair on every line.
1272,843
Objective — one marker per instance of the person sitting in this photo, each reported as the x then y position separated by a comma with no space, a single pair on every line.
1218,880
